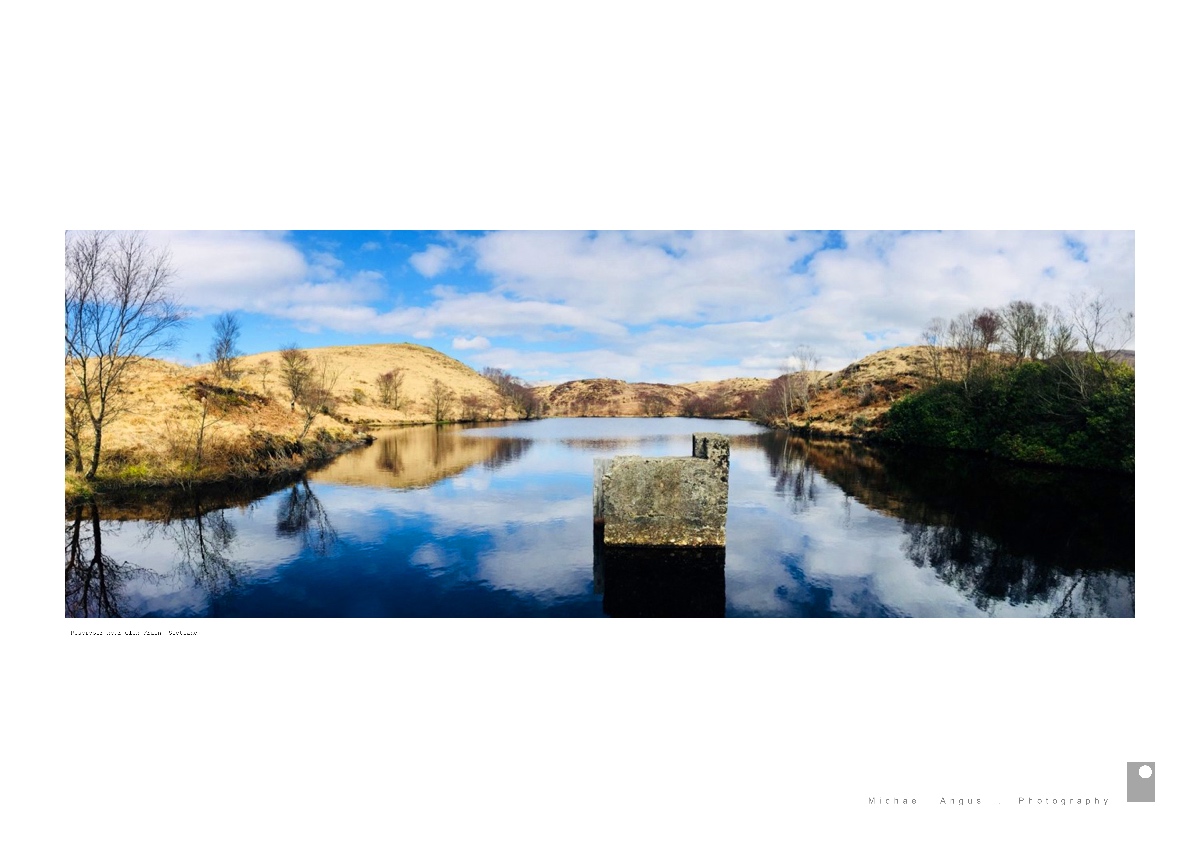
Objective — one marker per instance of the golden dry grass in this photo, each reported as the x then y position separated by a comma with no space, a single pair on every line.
849,402
156,435
844,403
358,366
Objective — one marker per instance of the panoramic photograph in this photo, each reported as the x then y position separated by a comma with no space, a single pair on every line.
483,424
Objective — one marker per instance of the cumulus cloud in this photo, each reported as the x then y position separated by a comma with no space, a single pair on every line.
474,343
324,265
220,270
432,261
639,279
265,273
750,298
558,366
673,306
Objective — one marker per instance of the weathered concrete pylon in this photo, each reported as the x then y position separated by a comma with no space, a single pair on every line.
665,501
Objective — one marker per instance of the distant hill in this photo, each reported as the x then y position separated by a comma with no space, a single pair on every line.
610,399
159,434
844,402
359,366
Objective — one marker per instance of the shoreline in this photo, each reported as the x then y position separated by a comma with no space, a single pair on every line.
319,452
278,469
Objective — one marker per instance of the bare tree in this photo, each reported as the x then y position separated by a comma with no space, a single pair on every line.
264,371
388,384
515,391
119,311
226,331
1102,330
988,324
934,337
966,344
472,407
441,397
202,397
1023,329
1060,336
296,368
316,394
76,420
795,384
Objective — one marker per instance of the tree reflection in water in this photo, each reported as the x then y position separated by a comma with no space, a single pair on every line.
815,528
999,534
302,516
506,452
204,540
94,580
787,460
990,575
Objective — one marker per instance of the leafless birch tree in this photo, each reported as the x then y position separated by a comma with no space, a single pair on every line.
119,311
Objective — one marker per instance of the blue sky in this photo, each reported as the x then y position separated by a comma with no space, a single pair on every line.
638,305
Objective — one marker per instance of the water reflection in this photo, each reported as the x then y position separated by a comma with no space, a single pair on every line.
302,516
498,522
1001,535
196,549
413,457
95,581
204,551
641,582
787,459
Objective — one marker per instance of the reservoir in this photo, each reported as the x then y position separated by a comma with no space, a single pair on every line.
496,521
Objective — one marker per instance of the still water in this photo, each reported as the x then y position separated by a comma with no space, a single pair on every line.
497,521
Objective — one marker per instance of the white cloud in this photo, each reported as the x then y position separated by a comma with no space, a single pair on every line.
324,265
490,314
706,305
555,366
636,279
263,272
663,306
231,270
748,298
474,343
432,261
751,302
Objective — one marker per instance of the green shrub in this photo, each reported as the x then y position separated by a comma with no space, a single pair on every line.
1025,449
1034,412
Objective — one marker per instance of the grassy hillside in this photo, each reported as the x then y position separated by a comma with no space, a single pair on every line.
184,425
844,403
358,367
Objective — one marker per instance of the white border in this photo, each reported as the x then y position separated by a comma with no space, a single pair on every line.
639,115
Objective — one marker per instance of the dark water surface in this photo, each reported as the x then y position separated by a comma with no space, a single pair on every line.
497,521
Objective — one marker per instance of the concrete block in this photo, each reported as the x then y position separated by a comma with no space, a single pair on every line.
665,501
